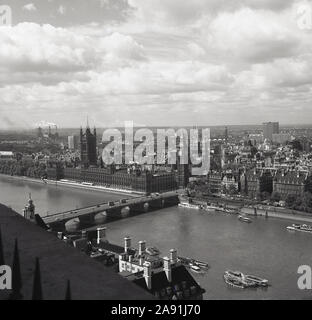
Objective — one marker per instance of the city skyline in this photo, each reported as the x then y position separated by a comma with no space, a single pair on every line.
201,63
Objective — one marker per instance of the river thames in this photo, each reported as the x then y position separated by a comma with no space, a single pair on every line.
263,248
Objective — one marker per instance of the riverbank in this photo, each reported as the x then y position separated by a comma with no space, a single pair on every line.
278,213
73,185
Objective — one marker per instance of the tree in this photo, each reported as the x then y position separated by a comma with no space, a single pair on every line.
291,201
265,195
232,190
276,197
296,144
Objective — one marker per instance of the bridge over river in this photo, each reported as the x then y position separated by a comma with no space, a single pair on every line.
73,220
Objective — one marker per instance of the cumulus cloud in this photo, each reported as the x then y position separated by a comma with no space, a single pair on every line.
30,7
253,36
51,49
201,61
183,12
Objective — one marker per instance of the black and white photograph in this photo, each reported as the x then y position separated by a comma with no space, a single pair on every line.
155,154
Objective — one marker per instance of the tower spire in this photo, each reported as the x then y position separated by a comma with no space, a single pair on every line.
16,275
37,288
68,291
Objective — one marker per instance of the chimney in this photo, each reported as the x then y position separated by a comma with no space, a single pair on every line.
167,268
60,235
173,256
148,275
101,234
142,247
127,244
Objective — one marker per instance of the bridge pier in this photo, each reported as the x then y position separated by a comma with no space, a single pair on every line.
157,203
140,207
87,219
100,218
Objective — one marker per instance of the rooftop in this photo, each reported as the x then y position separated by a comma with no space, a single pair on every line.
160,280
59,262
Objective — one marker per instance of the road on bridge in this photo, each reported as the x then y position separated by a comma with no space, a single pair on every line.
71,214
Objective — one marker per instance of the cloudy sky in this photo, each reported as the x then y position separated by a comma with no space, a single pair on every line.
155,62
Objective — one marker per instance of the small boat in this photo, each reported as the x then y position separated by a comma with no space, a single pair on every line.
194,267
189,261
210,208
152,251
238,279
243,218
189,205
201,264
259,281
234,282
300,227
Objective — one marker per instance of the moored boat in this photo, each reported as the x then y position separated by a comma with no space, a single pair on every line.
234,282
243,218
194,267
240,280
152,251
188,262
210,207
189,205
259,281
300,227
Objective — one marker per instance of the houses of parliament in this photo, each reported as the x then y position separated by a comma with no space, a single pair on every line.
127,177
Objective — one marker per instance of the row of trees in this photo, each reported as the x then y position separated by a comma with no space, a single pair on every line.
294,202
27,168
301,203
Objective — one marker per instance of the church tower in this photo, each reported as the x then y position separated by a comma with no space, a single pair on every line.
29,210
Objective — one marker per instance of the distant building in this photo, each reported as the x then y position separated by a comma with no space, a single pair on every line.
257,181
291,182
270,128
182,175
255,139
40,133
73,142
145,182
214,182
306,145
226,134
229,182
88,147
281,138
6,155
